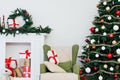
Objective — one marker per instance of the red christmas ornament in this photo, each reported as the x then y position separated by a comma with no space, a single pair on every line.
87,60
93,46
102,21
109,56
111,35
26,13
117,12
92,29
87,40
81,72
115,75
95,68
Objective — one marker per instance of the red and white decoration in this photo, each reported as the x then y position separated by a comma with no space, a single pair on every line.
10,64
52,57
26,71
12,23
25,54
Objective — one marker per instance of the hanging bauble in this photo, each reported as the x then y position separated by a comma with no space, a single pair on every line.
105,66
103,48
111,35
104,34
115,75
109,17
87,40
118,60
87,46
118,0
96,30
92,41
97,55
100,77
118,51
117,12
87,60
17,31
102,21
111,68
95,68
17,12
81,72
82,50
107,8
3,30
104,3
93,46
115,27
103,27
109,56
114,42
92,29
88,70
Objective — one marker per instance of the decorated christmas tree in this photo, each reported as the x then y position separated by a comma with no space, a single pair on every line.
101,55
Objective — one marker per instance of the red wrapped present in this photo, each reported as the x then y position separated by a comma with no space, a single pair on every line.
26,71
52,57
25,54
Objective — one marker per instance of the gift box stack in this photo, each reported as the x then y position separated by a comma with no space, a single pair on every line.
25,63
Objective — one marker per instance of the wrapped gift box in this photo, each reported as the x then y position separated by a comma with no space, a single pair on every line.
24,62
26,71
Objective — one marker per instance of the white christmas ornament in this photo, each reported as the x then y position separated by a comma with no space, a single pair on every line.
92,41
118,0
103,27
115,27
105,3
114,42
100,77
111,68
118,60
17,12
27,20
118,51
105,66
88,70
104,34
96,29
82,50
103,47
87,46
97,55
108,8
109,17
3,30
17,32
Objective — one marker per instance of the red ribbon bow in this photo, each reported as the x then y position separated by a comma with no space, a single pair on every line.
8,61
27,54
53,57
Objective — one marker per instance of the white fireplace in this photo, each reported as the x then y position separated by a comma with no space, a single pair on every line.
10,47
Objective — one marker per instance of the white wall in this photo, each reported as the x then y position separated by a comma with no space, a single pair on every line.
69,19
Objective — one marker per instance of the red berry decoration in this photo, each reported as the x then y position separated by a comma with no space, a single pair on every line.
87,60
102,21
92,29
115,75
87,40
109,56
81,72
117,12
26,13
111,35
95,68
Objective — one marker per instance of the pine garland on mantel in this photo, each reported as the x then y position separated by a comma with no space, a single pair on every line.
24,29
